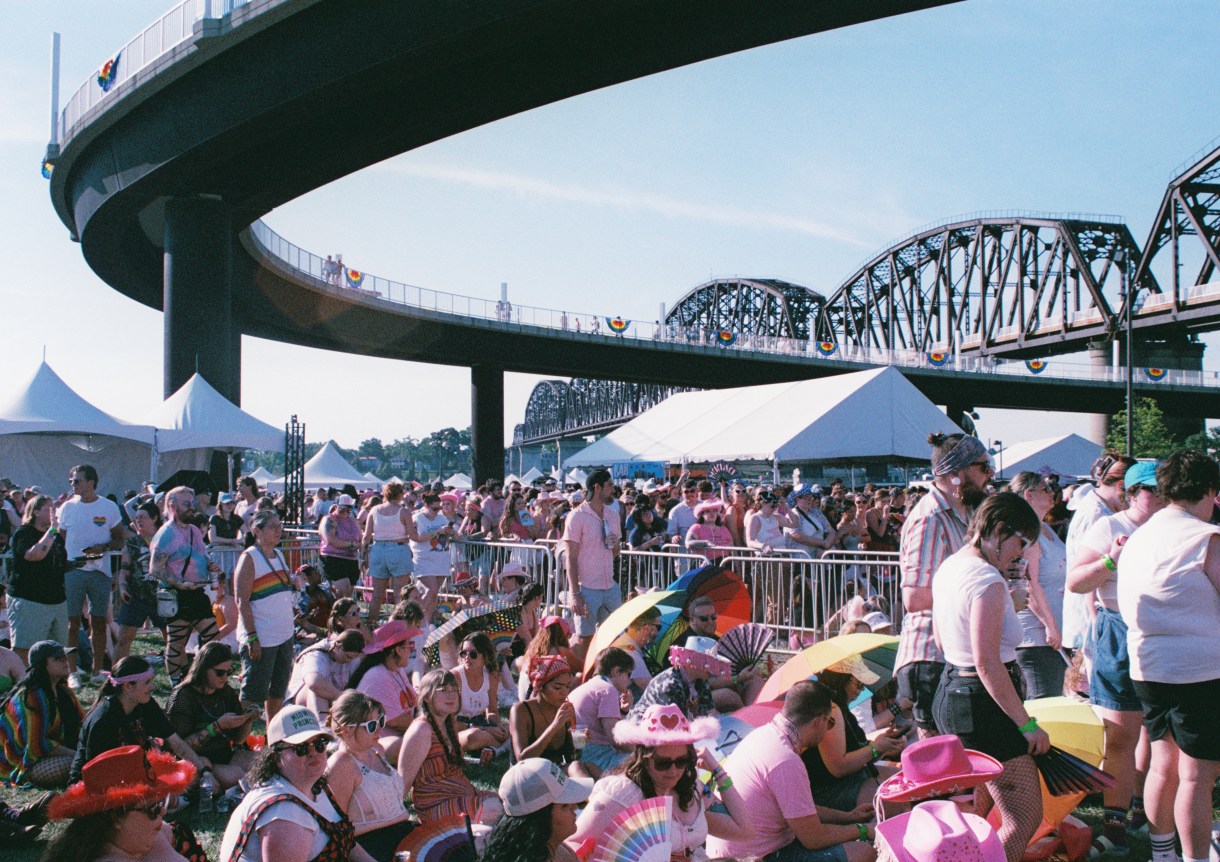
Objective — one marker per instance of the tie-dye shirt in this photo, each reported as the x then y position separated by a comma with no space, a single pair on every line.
181,547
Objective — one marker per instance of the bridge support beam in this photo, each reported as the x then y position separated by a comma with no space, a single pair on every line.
486,422
1177,353
200,334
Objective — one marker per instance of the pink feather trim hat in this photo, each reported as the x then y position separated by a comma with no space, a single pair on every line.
700,654
665,725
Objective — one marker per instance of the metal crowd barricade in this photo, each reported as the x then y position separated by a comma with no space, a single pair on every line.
646,570
538,559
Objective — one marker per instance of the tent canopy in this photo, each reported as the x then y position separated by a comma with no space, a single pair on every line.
1067,455
329,469
868,414
199,417
262,475
47,405
460,481
532,475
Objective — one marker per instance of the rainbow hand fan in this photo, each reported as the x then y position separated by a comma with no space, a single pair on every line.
744,645
639,833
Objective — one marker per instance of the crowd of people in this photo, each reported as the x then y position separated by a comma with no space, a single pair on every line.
1106,590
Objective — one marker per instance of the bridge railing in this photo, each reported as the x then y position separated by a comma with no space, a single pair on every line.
299,263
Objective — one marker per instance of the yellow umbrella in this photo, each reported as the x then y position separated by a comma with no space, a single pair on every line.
817,658
616,623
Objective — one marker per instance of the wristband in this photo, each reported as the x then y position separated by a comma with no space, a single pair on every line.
1029,726
1108,562
875,751
252,638
724,785
862,832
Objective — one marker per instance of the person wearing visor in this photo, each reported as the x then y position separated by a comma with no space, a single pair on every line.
290,815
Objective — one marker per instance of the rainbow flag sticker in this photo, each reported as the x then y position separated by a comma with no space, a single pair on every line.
109,71
354,277
1155,373
937,359
48,168
617,324
827,348
1035,366
725,338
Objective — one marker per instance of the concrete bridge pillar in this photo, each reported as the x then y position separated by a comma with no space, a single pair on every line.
1101,357
486,422
200,334
1179,353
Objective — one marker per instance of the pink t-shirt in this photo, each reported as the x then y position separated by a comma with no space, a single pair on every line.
591,541
593,701
391,689
774,786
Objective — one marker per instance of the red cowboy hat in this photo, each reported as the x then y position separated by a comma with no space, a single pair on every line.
127,777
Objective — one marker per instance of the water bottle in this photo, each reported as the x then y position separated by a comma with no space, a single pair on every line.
207,789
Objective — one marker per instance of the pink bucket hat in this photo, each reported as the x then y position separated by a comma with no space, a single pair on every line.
547,622
938,831
700,654
939,766
665,725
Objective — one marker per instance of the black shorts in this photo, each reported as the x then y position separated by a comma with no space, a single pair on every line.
1185,711
964,708
340,569
917,682
193,606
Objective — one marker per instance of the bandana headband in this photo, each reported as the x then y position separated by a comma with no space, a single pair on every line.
961,456
133,677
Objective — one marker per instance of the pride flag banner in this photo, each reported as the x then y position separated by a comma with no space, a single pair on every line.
1035,366
937,360
108,73
617,324
725,338
827,348
354,277
1155,374
48,168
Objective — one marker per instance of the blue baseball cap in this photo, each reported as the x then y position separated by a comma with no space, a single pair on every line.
1141,473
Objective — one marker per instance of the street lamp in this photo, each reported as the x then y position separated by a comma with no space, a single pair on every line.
1120,258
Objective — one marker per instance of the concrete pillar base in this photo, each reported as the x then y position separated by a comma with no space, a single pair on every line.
486,422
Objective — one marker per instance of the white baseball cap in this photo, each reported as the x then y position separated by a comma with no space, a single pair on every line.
295,724
534,783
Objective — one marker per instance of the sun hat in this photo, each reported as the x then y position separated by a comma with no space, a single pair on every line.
463,579
707,506
699,653
535,782
939,766
665,725
938,831
557,621
855,666
393,632
1141,473
126,777
345,501
514,570
545,668
295,724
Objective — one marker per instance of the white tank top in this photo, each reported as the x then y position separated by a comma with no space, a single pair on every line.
388,527
474,702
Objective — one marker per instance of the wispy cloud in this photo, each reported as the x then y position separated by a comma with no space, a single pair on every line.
625,199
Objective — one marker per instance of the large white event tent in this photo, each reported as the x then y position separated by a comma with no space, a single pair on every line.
1067,455
329,469
868,414
262,475
46,428
531,476
196,420
458,481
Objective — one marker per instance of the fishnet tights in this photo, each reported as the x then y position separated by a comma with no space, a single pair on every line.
50,771
1018,797
177,633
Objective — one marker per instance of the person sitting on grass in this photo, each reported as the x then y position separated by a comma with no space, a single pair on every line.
40,721
539,814
550,639
478,717
321,672
686,683
382,675
541,726
599,705
208,714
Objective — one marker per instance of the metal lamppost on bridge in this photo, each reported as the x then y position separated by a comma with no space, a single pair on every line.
1120,258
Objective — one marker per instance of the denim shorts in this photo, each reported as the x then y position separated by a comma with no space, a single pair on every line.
798,852
267,677
1043,669
604,757
388,560
599,605
32,622
965,708
136,611
80,584
918,682
1110,685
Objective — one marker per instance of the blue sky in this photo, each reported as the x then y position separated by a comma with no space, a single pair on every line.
795,161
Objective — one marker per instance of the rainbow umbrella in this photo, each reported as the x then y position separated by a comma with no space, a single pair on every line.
445,840
813,660
616,623
728,593
495,618
737,726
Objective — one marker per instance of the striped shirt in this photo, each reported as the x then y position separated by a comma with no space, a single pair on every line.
932,532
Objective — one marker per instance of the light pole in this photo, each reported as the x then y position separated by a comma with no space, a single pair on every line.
1120,258
999,451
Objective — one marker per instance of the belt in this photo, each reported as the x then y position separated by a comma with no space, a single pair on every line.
1009,666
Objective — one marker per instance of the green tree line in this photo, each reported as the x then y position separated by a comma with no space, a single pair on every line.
442,453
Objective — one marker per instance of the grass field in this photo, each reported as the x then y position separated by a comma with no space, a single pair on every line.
209,828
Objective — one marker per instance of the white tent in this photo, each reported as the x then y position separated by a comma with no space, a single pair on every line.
196,420
460,481
46,428
868,414
510,478
373,478
262,475
329,469
577,477
1067,455
530,476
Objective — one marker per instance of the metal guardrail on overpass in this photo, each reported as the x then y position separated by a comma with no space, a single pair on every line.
302,264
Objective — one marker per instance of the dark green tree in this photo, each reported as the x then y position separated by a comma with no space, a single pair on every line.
1149,436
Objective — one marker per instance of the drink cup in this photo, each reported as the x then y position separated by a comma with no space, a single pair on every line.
580,736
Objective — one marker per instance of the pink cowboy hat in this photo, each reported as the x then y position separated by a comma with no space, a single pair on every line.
706,506
700,654
665,725
393,632
939,766
938,831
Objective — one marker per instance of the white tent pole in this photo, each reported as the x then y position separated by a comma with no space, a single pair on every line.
152,467
229,471
775,471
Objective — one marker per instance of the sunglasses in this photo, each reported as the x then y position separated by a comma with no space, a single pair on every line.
985,466
707,619
302,749
468,653
373,725
664,764
219,671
